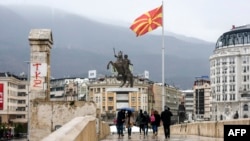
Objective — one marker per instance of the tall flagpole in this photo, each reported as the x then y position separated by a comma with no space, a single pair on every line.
163,54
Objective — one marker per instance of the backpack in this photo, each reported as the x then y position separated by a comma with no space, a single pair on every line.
152,118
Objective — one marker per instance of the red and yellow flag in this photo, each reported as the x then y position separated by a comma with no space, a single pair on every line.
147,22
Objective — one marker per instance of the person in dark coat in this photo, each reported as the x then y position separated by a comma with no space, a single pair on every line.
139,121
166,120
146,122
120,121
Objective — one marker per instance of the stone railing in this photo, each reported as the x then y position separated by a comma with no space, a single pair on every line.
80,128
206,128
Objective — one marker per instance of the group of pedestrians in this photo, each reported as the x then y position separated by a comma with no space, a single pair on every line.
144,120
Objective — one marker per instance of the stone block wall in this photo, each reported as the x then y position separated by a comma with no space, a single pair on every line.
45,115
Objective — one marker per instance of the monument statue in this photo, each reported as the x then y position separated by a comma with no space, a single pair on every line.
122,67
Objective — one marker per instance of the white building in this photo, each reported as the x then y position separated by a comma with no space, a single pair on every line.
229,74
13,98
189,103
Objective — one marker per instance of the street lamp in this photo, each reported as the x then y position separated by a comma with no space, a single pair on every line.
28,93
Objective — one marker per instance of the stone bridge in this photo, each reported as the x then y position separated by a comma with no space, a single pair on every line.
84,128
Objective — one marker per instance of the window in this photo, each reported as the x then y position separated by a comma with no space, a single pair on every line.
232,88
133,99
96,99
217,62
21,87
218,80
231,78
231,60
217,71
245,107
245,116
224,79
232,69
224,88
110,108
110,99
218,97
245,59
224,61
218,89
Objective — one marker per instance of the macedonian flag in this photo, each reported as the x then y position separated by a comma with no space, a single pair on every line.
147,22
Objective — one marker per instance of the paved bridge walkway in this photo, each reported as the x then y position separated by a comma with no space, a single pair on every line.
151,137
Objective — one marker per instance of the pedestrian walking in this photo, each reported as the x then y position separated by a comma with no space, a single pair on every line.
155,120
166,120
129,122
139,121
120,121
146,122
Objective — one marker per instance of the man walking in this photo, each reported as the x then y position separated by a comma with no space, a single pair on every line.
139,121
120,121
166,120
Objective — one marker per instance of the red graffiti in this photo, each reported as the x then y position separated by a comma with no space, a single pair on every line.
37,82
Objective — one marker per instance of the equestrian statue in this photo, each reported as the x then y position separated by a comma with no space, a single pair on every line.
122,67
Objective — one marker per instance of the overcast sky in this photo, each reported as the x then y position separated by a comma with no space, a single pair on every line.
203,19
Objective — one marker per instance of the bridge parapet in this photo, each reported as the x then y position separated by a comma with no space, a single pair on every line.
206,128
79,129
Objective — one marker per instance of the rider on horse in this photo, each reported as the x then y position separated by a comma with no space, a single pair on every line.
121,66
126,63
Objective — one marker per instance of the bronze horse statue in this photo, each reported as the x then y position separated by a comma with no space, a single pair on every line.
122,74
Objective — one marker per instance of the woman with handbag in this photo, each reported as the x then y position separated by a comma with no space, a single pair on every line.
129,121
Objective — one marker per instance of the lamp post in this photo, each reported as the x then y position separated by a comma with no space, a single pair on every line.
28,93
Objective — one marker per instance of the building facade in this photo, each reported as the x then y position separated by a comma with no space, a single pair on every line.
69,89
13,98
109,97
202,99
189,103
229,73
172,99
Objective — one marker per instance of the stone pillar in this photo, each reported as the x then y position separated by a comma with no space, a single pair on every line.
40,45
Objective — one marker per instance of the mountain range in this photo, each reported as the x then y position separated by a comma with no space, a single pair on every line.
82,44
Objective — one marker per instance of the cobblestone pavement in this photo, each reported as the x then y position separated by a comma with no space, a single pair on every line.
161,137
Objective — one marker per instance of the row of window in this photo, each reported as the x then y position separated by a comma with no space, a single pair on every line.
229,60
223,79
245,69
224,97
111,99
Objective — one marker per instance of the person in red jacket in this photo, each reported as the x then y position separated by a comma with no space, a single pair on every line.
156,122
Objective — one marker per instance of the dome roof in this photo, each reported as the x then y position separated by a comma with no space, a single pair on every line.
237,35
